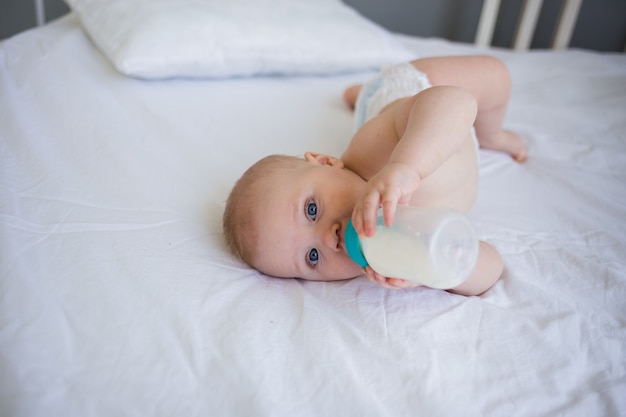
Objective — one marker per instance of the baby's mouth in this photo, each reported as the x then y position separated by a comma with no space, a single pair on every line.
341,239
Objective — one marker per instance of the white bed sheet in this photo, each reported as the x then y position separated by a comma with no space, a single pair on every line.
118,297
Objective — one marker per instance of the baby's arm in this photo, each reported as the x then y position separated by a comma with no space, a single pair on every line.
487,271
431,127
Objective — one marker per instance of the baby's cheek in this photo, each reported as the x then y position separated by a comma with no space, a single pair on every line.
349,268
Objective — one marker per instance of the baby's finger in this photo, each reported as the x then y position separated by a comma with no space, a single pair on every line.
369,209
402,283
357,220
389,210
376,278
371,275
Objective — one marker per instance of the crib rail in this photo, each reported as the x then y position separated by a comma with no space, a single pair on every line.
527,23
40,12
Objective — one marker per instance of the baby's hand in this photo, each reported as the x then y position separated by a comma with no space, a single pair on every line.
393,184
389,283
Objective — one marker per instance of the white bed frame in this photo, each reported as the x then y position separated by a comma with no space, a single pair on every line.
40,12
527,23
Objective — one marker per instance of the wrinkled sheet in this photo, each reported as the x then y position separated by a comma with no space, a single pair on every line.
118,297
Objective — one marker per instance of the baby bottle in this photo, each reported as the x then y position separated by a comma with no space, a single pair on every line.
435,247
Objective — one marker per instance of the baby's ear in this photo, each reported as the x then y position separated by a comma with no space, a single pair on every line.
321,159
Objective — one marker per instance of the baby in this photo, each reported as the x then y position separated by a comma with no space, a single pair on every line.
415,144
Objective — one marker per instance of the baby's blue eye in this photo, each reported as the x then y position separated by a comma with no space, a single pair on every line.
313,257
311,209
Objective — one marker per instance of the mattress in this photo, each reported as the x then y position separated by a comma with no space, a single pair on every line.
118,296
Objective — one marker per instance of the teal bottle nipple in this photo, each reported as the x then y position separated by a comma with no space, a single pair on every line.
353,245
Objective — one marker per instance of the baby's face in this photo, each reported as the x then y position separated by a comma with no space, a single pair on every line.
303,219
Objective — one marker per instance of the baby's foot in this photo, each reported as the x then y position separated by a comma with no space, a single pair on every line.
508,142
350,94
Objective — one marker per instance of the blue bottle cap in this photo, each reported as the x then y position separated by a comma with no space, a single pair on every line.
353,245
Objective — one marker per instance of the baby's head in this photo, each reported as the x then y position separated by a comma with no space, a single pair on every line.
286,217
242,227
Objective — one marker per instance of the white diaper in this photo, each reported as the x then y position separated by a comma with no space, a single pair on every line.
390,84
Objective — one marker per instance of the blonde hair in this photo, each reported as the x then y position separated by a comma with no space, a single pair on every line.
239,223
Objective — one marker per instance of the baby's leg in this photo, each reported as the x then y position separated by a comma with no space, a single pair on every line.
487,78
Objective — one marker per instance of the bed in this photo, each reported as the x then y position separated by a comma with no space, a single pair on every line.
118,296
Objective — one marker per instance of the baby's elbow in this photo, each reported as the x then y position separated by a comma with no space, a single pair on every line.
488,270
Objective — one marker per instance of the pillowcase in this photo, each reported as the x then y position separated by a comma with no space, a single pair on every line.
224,38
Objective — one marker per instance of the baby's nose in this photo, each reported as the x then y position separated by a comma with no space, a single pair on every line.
332,237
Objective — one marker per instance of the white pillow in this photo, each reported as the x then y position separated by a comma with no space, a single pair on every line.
225,38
